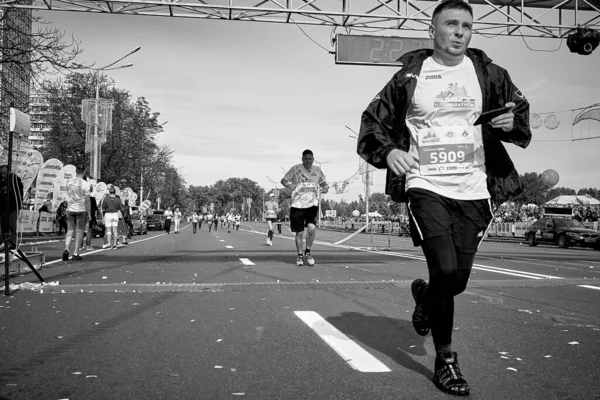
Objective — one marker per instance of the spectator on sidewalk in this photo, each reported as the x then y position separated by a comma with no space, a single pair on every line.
111,206
78,211
11,192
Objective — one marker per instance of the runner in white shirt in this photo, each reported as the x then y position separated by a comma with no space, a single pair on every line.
195,219
209,221
238,219
306,182
271,209
177,216
230,220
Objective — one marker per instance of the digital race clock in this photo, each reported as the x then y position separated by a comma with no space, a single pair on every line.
375,50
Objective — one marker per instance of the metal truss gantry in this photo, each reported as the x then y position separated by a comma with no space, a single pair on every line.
531,18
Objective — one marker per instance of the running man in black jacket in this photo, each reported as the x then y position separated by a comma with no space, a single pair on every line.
421,128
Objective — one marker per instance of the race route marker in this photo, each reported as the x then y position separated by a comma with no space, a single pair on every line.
358,358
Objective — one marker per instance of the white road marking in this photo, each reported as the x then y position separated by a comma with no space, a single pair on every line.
221,240
229,247
245,261
589,287
358,358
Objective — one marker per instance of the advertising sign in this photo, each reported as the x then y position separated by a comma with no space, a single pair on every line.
145,205
44,184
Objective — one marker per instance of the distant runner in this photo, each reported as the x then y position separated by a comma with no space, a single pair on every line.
271,209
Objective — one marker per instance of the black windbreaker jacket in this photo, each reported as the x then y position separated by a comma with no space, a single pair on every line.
383,124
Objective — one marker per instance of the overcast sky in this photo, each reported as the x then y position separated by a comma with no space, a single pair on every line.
245,99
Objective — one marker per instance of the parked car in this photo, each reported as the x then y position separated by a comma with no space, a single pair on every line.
156,220
140,225
564,232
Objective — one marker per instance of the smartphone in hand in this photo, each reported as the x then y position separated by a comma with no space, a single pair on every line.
489,115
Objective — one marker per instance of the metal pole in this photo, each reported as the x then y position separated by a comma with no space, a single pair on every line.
5,222
95,142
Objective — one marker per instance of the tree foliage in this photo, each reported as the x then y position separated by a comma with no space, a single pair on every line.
131,150
226,195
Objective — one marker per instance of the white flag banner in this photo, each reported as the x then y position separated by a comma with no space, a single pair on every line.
29,165
44,184
60,186
126,195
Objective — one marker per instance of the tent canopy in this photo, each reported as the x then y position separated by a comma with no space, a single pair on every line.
572,200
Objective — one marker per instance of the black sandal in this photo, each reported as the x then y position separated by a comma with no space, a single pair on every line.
65,255
77,257
420,319
447,376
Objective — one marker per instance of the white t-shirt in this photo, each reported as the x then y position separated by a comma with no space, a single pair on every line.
448,148
77,190
307,183
168,214
178,215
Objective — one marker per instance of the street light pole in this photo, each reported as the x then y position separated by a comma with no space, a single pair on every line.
94,170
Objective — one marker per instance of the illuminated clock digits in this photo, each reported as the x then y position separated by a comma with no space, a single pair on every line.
376,49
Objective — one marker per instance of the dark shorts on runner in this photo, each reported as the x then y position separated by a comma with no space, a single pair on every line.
272,219
432,215
301,217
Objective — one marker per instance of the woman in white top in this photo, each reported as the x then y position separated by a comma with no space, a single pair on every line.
177,216
78,211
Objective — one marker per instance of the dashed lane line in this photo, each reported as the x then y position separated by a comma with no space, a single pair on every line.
589,287
246,261
229,247
357,357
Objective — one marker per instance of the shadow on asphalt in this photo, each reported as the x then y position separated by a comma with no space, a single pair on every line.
391,336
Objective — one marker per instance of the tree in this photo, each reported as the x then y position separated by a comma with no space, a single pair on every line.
534,189
379,202
131,149
30,49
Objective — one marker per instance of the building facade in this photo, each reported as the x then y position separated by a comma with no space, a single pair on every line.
39,110
15,67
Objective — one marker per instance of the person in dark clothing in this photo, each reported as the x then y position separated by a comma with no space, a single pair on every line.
127,219
11,195
420,127
89,234
61,218
111,206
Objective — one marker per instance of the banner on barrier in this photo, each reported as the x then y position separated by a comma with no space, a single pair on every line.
27,221
46,222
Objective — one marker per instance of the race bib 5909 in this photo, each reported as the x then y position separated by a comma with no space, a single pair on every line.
446,150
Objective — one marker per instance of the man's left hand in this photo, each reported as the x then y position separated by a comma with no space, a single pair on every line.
505,121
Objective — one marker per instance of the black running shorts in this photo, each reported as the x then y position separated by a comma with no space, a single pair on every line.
432,215
301,217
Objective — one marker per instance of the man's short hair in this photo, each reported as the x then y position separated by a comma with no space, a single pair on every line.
80,169
112,190
305,152
452,5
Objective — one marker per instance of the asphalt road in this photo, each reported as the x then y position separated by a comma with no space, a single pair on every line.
221,315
